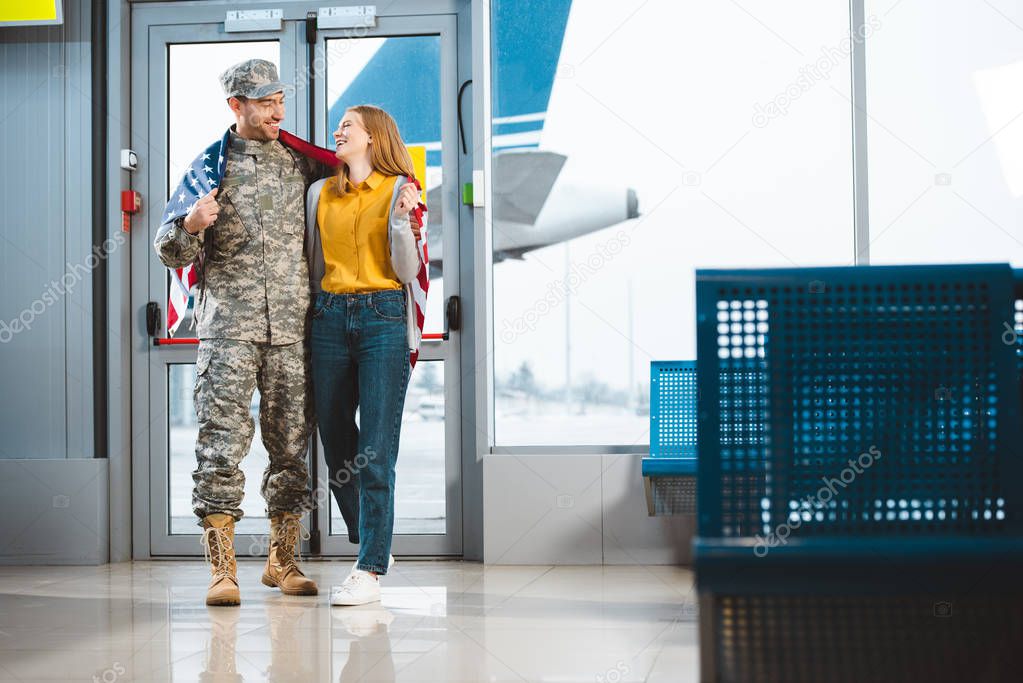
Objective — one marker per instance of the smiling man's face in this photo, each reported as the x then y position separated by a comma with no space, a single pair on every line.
259,119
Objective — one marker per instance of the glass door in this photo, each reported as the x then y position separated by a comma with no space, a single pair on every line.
177,110
406,65
186,111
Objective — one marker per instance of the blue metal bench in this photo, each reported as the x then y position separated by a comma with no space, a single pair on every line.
860,481
669,472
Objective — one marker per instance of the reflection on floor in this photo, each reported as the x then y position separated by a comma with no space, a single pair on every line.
438,621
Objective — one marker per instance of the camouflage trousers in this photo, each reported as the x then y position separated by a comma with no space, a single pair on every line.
227,372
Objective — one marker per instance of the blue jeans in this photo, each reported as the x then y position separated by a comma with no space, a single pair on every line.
360,359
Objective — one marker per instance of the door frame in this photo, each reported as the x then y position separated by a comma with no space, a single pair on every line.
203,22
448,350
149,139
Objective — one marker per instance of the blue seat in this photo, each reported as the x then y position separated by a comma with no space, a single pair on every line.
860,483
669,472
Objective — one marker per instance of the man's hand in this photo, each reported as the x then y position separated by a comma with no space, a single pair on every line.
203,214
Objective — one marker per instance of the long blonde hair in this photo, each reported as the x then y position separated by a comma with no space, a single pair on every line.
388,154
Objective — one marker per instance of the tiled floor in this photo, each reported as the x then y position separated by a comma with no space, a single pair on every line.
438,621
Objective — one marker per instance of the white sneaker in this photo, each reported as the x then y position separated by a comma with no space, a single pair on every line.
358,589
390,563
364,621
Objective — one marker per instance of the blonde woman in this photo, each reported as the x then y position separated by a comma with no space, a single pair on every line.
363,262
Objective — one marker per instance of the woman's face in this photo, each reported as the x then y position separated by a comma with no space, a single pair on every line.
351,139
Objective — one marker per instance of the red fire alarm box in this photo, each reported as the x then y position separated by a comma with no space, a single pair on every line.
131,202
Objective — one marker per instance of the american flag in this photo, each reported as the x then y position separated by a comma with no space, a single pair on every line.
421,285
202,175
206,172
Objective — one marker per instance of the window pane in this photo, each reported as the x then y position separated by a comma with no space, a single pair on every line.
633,143
419,488
188,134
182,431
945,138
410,94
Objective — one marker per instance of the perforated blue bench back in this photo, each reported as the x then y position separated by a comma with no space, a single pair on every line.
903,370
672,408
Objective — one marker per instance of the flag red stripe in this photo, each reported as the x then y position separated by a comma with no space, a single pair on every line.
172,316
315,152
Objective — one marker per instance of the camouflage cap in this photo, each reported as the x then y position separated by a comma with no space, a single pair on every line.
253,78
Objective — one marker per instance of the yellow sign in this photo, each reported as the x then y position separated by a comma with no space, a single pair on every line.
418,154
29,12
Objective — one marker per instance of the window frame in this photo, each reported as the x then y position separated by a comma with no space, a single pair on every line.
483,262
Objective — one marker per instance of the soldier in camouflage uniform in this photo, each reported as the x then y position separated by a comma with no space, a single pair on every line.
251,323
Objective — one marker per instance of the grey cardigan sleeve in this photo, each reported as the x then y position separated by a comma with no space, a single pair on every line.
404,252
313,248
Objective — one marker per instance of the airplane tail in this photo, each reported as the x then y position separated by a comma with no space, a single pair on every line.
521,98
411,64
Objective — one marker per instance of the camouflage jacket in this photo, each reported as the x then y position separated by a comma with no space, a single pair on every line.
255,278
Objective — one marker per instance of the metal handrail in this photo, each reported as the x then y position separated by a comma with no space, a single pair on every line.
186,341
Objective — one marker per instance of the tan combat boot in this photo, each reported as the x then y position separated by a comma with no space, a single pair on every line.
221,663
289,661
281,569
218,542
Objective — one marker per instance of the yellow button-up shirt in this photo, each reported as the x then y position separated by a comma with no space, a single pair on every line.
353,232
